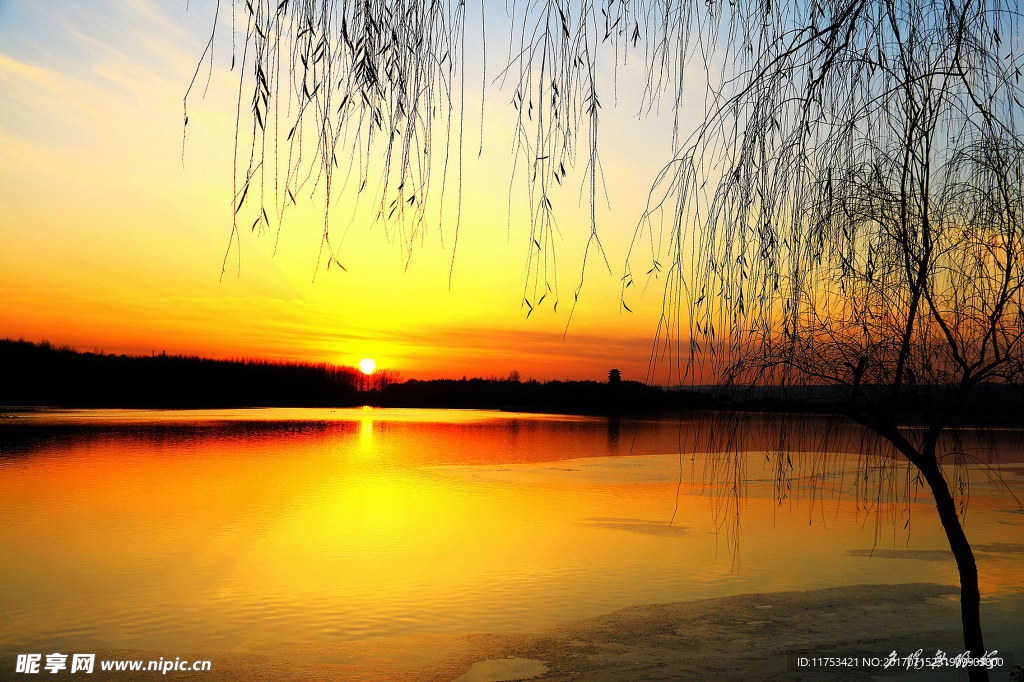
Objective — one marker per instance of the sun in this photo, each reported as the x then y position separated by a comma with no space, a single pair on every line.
367,365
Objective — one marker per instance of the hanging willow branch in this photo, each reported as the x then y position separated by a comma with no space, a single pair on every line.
369,96
341,95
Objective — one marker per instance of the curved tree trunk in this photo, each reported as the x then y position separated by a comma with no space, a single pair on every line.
970,596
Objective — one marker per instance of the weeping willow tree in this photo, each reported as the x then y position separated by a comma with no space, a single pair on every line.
847,214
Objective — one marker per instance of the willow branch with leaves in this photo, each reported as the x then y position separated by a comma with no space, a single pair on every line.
847,214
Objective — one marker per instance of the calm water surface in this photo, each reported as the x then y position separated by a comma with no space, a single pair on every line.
248,529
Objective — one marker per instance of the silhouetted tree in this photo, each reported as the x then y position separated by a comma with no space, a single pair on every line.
862,229
847,214
380,380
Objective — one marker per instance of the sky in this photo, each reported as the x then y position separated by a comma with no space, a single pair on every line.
113,239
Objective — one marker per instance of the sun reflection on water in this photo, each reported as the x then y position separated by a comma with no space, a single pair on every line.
249,533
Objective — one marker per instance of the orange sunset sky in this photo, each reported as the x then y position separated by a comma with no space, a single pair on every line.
110,242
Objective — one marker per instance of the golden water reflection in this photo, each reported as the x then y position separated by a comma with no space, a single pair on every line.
252,529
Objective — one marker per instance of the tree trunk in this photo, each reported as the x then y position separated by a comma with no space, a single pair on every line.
970,596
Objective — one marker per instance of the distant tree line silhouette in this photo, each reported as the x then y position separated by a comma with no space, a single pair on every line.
60,376
573,397
47,375
42,374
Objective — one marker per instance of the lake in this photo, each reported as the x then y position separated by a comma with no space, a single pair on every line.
249,530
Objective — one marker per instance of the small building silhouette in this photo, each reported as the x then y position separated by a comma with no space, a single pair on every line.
614,376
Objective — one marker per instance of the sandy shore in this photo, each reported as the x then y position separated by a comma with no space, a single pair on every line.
747,637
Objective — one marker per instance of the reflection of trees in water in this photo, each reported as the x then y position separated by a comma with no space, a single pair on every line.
614,426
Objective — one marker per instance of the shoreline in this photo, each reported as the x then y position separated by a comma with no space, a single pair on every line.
748,637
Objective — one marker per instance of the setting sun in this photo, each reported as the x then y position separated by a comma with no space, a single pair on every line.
367,365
